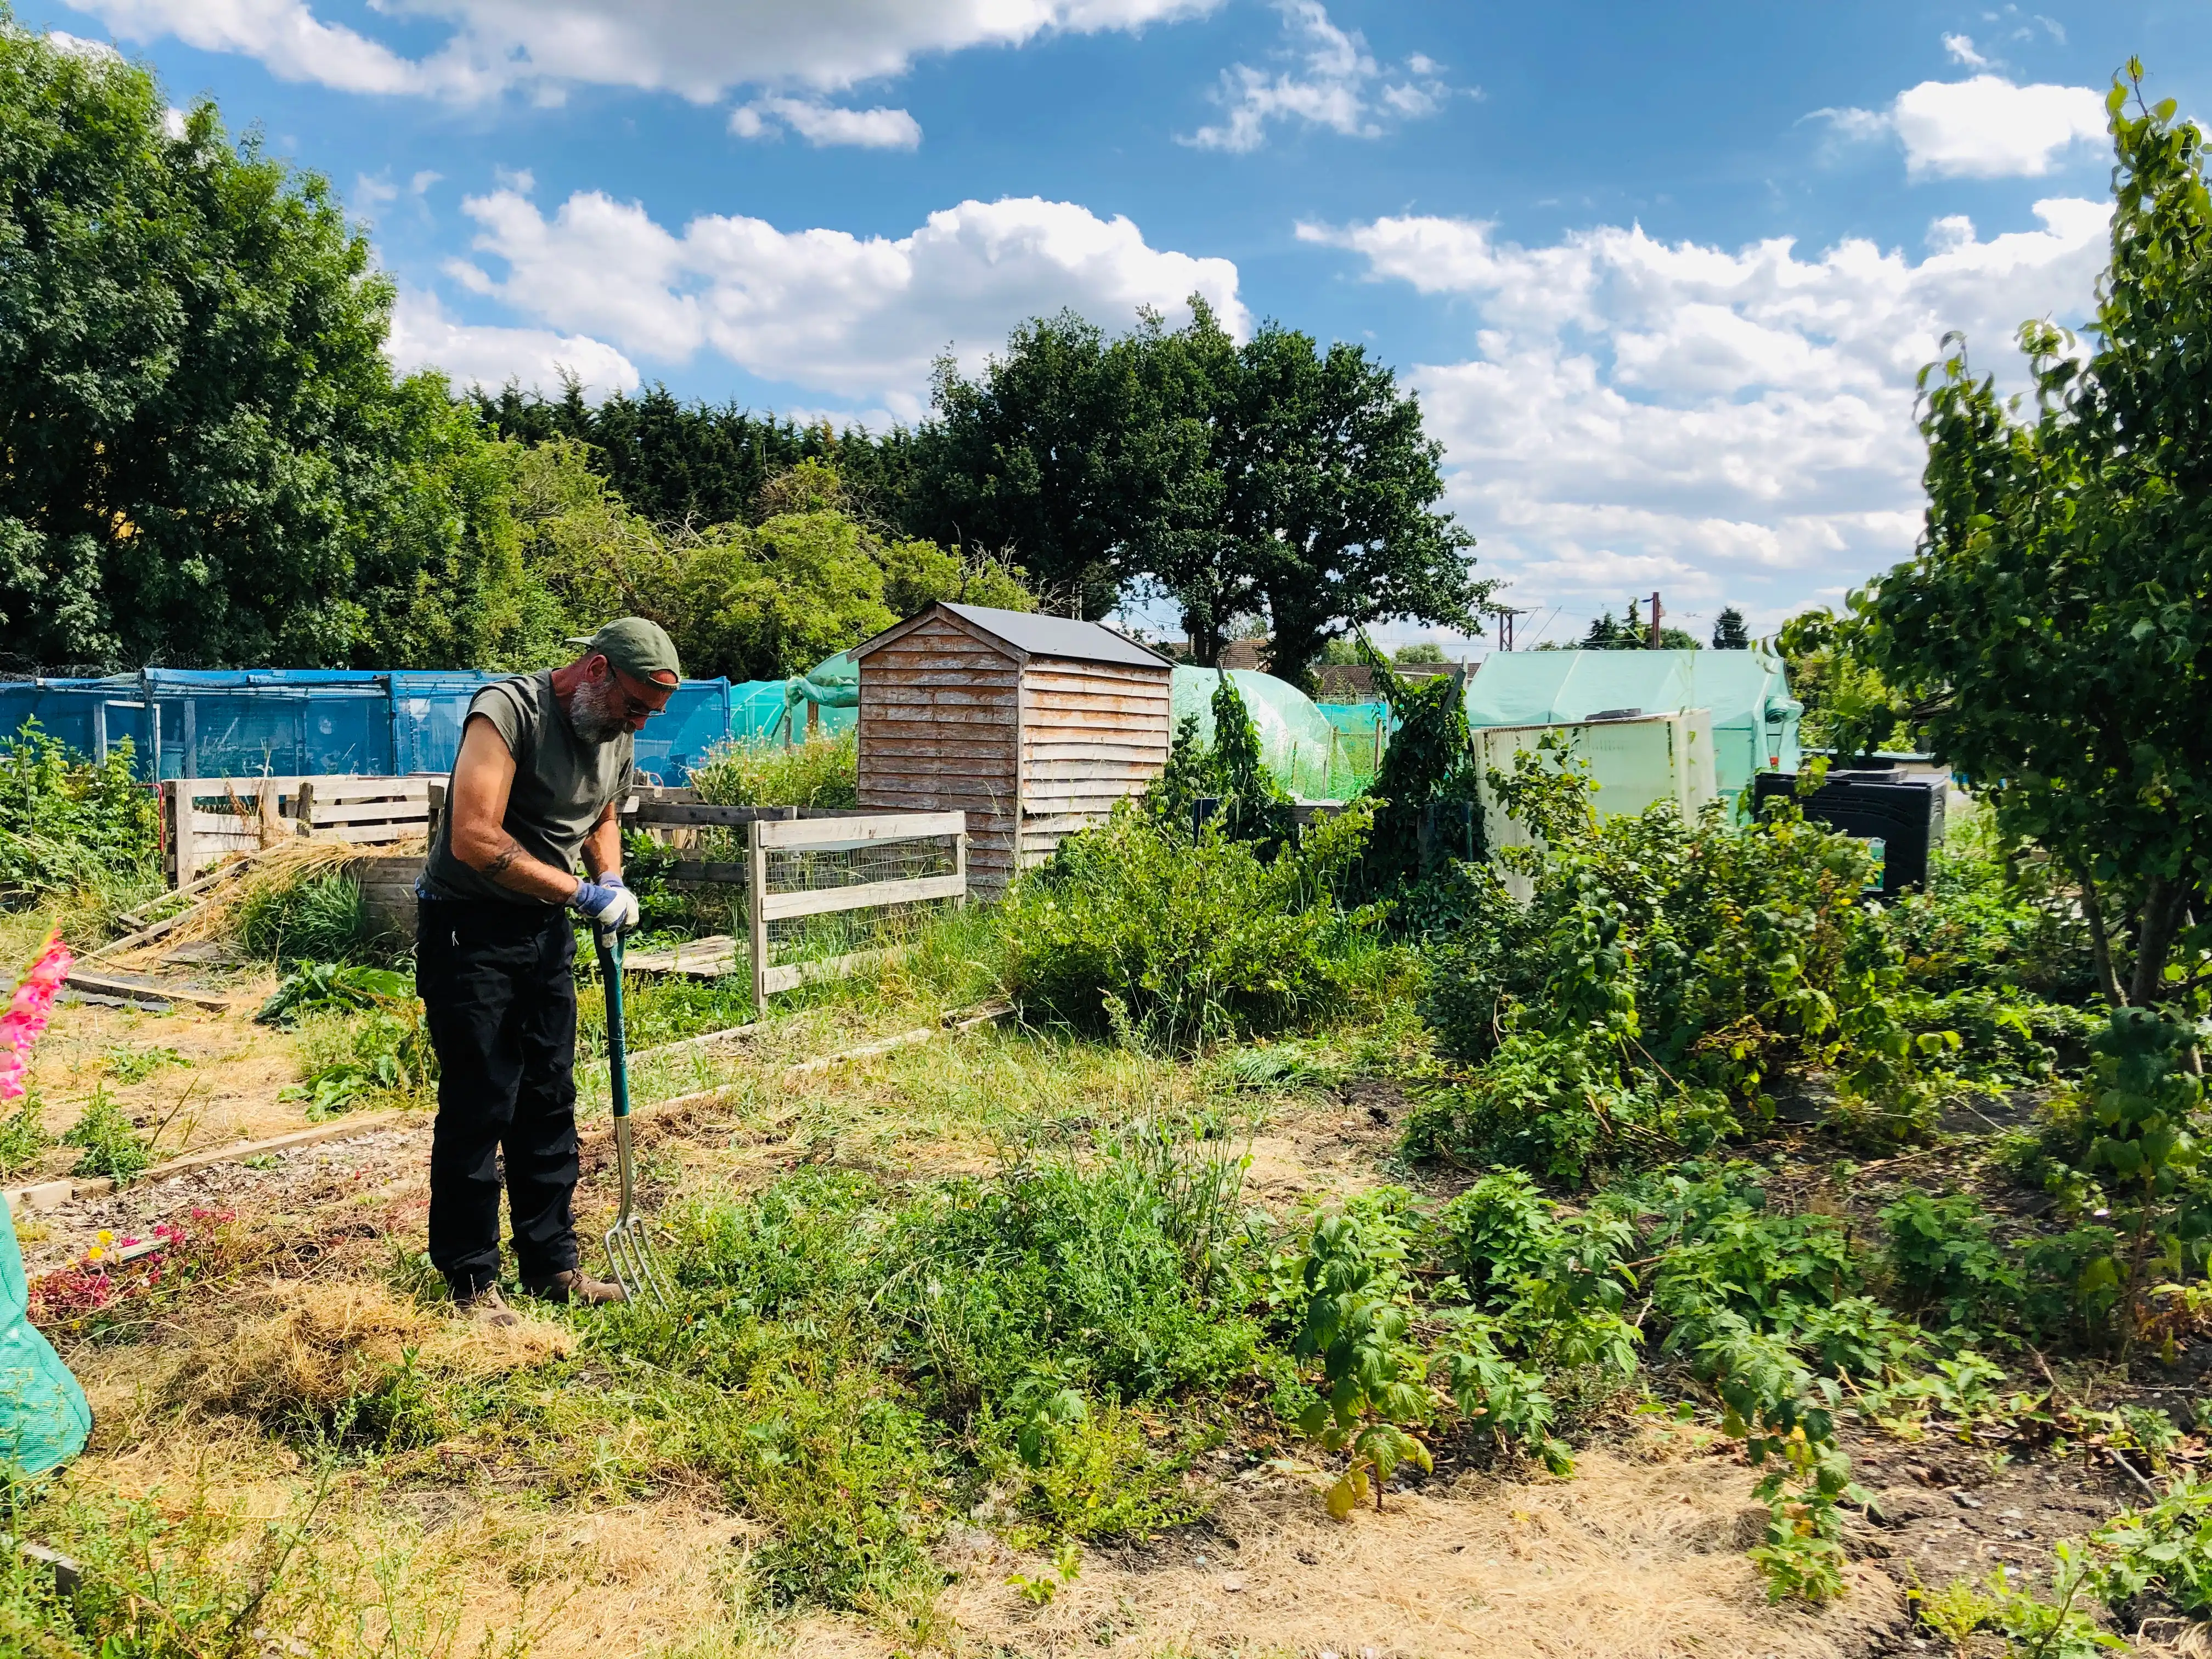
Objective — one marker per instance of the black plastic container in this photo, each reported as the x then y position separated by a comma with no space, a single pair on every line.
1901,817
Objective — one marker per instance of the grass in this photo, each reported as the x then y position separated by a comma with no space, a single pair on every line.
1033,1278
809,1381
822,771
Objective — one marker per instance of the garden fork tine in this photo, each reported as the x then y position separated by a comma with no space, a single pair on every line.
630,1247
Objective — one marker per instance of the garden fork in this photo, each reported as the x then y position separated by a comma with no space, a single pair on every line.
630,1247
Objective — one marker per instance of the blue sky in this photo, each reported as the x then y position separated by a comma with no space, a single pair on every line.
1661,274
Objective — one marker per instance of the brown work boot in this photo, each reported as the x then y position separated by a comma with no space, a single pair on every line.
487,1306
574,1284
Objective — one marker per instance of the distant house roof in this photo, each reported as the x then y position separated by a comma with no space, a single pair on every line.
1034,635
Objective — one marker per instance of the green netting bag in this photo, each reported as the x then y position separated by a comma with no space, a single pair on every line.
44,1415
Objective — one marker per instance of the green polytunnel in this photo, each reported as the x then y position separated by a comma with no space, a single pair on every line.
1309,757
1754,717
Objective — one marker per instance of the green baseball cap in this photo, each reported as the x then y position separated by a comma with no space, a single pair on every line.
640,648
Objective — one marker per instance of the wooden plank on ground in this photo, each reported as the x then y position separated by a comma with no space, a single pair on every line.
50,1194
989,1015
710,957
147,990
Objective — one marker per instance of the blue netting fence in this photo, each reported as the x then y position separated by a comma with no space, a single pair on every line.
298,722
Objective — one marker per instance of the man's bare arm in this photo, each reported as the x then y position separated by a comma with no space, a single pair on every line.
483,773
603,846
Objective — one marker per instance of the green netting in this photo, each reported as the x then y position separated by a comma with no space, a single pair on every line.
1754,717
1309,757
833,686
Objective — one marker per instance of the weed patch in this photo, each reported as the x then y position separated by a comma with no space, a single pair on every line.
1137,931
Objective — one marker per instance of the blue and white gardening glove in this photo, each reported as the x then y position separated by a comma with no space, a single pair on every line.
606,903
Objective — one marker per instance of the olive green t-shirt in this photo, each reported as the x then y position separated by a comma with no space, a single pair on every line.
561,786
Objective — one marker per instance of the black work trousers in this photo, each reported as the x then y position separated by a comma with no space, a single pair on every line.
499,987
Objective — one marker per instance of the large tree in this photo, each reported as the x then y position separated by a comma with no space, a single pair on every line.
193,401
1064,452
1330,498
1275,479
2052,634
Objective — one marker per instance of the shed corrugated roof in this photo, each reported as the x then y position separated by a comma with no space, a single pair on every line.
1052,636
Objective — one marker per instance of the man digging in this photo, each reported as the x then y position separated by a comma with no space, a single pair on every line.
545,761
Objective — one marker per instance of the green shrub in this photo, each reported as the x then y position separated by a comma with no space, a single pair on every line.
1992,918
1351,1296
316,988
2004,1037
823,771
1250,802
1751,1265
380,1057
321,917
67,822
1661,978
2166,1546
1943,1254
1135,930
1088,1275
111,1143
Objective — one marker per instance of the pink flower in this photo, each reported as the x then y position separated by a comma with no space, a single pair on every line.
28,1012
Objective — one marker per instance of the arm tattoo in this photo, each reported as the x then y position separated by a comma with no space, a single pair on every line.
505,857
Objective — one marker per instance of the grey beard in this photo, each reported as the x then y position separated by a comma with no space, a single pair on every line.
595,711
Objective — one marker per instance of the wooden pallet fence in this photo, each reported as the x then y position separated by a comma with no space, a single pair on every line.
368,811
840,834
207,820
773,829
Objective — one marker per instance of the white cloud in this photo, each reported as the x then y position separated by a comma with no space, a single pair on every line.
1961,48
424,337
1725,425
697,48
521,180
1338,85
1982,127
1987,128
822,309
822,123
77,46
283,33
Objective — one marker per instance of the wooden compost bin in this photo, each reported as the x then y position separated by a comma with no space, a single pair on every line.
1032,726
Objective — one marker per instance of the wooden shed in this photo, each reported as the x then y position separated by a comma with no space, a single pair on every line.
1033,726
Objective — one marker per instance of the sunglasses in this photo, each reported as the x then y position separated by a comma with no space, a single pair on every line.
635,708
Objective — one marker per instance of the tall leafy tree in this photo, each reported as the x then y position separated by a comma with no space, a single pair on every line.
193,400
1730,633
700,464
2052,634
1329,503
1068,452
1273,479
